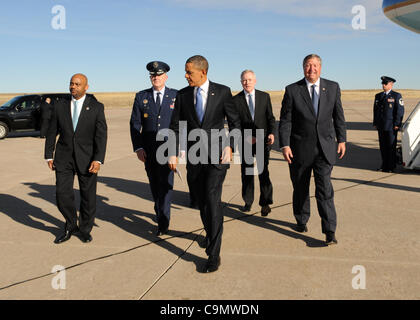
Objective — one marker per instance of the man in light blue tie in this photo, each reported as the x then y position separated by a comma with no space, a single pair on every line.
256,113
80,150
312,131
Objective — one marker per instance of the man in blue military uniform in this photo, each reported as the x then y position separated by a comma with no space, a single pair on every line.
152,111
388,112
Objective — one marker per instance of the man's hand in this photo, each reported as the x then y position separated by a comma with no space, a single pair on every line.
141,154
341,150
51,164
287,154
396,128
270,139
94,167
172,162
226,155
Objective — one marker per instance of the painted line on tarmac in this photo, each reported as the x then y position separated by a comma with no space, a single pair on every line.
178,236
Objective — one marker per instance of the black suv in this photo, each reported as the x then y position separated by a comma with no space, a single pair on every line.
23,113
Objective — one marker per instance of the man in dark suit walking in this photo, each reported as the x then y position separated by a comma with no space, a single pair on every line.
204,105
311,120
152,111
388,112
256,112
46,111
80,150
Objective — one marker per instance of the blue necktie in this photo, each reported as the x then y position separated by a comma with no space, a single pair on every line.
199,105
158,99
75,115
251,106
315,99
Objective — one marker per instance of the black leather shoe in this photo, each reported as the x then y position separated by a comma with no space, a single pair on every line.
246,208
213,263
85,237
265,210
64,237
301,228
162,231
330,239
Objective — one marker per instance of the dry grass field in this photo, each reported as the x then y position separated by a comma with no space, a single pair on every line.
125,99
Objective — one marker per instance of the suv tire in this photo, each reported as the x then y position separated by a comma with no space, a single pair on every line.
4,130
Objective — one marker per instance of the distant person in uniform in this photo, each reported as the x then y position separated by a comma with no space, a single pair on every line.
80,150
152,111
256,112
205,105
311,121
46,112
388,112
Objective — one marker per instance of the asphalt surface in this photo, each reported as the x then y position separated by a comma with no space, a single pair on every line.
377,256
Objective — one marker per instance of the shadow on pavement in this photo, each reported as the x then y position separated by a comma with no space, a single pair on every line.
271,224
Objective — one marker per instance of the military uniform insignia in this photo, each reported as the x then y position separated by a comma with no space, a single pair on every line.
145,101
323,89
171,106
401,102
155,64
212,93
390,105
145,115
173,100
87,108
391,100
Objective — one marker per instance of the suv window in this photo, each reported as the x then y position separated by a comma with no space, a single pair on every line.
29,103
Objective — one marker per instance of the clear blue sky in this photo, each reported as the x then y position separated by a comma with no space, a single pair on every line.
112,41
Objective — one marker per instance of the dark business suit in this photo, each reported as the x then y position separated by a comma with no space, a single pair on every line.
388,112
146,120
74,152
46,111
263,119
207,178
312,140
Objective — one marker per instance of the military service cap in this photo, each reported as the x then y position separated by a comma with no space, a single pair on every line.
157,68
386,79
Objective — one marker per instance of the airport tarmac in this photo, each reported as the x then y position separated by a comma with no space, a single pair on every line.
377,256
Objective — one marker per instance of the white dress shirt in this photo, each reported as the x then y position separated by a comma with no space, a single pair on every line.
79,105
204,94
252,93
162,92
309,85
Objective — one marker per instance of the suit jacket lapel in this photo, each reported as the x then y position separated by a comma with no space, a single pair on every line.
245,105
210,96
83,113
190,103
322,96
305,94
